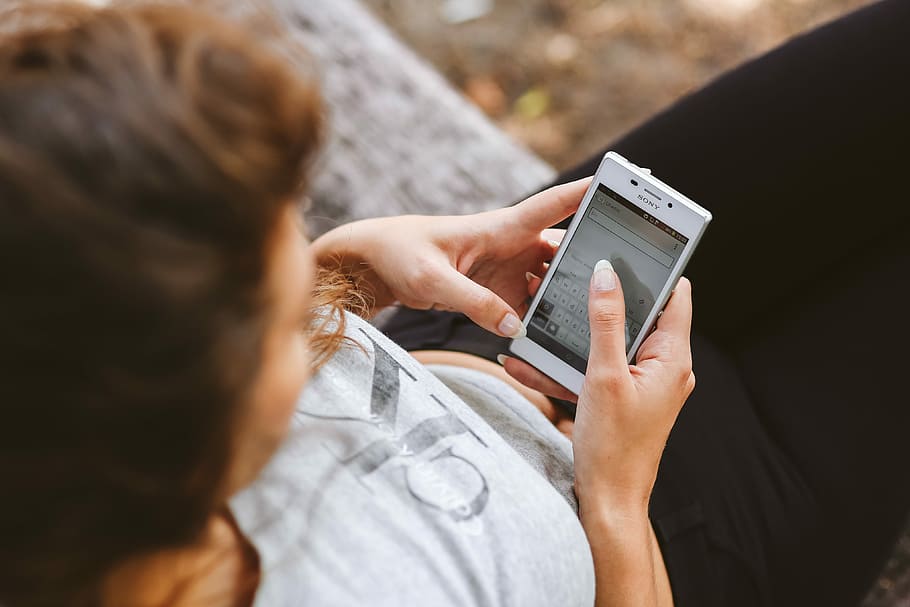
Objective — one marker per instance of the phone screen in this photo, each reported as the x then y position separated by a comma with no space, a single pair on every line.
643,251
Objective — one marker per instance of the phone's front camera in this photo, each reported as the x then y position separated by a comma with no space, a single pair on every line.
634,182
670,205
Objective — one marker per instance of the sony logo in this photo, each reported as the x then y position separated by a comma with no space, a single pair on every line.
648,201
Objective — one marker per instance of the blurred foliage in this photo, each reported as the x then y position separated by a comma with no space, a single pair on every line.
566,77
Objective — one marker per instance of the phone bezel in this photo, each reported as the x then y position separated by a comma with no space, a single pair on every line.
685,216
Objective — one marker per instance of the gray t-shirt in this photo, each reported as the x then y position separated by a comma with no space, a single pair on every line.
391,490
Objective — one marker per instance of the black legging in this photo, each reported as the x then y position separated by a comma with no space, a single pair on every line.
784,479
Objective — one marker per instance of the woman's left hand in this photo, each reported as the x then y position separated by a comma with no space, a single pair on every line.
474,264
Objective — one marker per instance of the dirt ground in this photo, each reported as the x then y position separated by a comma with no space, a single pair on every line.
568,76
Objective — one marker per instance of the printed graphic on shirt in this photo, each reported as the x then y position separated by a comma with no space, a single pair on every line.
437,472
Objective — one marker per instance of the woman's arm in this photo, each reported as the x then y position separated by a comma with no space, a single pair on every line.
628,564
624,416
475,264
623,420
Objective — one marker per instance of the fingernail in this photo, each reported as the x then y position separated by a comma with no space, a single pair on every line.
529,277
511,327
604,278
553,244
501,359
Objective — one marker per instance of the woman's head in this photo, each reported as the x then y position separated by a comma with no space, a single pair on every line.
150,343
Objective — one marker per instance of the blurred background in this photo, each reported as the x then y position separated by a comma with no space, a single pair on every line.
566,77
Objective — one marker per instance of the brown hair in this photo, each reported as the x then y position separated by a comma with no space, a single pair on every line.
145,157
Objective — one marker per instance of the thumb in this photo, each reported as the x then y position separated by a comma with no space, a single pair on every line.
481,305
607,315
551,206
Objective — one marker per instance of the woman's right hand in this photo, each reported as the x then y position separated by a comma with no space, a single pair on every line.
625,412
622,422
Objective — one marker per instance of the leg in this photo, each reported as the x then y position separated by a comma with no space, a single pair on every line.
793,463
796,155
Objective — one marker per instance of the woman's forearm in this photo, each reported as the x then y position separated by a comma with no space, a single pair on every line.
345,250
338,249
628,565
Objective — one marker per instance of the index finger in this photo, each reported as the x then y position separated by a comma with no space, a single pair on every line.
551,206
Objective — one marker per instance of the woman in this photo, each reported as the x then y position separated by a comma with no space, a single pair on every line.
156,283
156,286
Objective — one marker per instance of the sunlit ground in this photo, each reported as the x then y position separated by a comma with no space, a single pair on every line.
568,76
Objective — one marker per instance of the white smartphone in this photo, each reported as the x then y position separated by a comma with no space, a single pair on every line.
647,230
